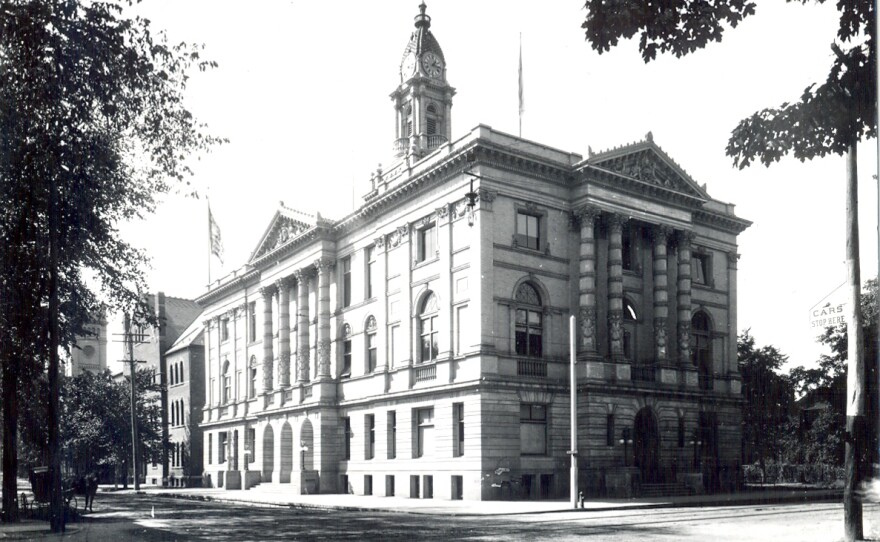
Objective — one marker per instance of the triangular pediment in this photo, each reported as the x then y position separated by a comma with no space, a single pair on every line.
647,163
286,225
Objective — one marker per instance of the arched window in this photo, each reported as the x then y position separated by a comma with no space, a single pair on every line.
630,318
431,120
227,383
372,351
529,321
701,353
180,377
408,127
346,351
428,332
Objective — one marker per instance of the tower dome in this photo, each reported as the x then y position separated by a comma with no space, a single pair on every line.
421,42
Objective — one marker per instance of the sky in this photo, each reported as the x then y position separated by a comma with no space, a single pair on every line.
302,94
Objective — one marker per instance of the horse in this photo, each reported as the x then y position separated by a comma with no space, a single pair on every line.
87,485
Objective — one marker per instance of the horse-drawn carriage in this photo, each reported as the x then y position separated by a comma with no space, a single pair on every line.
41,483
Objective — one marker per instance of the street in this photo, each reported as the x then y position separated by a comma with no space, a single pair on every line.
124,516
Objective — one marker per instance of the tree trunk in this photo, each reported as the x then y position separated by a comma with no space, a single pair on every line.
10,439
56,512
855,372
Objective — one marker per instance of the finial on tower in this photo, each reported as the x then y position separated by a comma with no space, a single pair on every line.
421,18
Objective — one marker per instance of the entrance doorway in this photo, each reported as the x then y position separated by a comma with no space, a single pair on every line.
646,446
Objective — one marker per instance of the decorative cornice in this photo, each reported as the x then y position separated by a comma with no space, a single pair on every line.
730,223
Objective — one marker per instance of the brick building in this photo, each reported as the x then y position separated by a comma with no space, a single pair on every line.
419,347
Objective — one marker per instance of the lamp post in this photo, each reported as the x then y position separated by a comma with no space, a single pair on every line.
302,455
626,440
697,442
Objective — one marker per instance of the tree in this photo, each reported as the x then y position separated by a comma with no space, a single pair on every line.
831,117
92,127
769,398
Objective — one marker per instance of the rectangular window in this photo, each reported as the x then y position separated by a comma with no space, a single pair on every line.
224,329
427,243
528,233
370,431
392,434
457,488
210,448
252,384
609,430
368,484
249,443
346,423
346,359
429,335
533,429
221,447
346,281
424,420
389,485
701,270
372,353
681,432
370,254
428,484
432,126
458,429
627,249
529,333
252,321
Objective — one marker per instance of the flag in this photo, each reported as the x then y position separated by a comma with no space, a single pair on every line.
522,104
214,236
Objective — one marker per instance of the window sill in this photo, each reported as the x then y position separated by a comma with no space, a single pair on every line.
423,263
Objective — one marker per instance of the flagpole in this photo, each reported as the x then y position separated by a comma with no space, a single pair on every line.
520,85
209,241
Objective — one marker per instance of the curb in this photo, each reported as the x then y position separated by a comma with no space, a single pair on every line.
806,497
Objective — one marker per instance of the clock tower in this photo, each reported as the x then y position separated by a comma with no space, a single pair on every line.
423,100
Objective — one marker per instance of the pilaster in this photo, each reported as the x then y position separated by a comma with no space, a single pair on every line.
684,240
302,314
267,293
615,285
283,287
661,291
587,347
324,267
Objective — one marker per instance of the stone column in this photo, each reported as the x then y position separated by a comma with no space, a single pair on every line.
684,296
661,292
302,323
216,382
325,269
267,293
444,285
380,288
615,285
283,286
586,217
732,258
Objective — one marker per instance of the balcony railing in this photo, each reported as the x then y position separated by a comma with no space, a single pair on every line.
644,373
428,372
531,367
400,146
435,140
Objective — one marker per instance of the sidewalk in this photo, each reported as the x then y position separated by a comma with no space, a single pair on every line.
275,495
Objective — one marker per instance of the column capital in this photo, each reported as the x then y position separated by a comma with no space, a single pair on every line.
207,323
587,213
379,242
324,265
660,234
284,283
684,238
268,291
304,274
616,222
732,258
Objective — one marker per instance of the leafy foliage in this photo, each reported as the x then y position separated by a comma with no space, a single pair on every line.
769,398
93,127
827,118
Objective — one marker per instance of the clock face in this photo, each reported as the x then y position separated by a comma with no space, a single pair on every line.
409,65
432,64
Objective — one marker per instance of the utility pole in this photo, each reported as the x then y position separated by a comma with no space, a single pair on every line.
572,345
129,340
856,424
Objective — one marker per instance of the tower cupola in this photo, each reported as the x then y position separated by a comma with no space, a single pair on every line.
423,99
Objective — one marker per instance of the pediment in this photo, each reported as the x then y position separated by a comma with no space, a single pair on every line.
647,163
285,226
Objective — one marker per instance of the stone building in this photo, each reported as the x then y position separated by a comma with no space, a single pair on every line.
90,352
419,347
185,371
